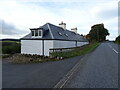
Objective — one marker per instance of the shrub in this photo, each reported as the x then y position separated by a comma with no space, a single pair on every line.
10,47
28,58
118,40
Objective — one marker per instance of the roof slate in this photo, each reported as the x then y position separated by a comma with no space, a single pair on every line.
56,32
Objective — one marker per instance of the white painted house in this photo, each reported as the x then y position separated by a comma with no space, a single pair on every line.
50,36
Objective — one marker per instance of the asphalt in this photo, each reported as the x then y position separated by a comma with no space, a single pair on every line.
98,70
41,75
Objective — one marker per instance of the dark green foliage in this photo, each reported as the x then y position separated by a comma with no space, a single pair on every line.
11,47
97,33
117,40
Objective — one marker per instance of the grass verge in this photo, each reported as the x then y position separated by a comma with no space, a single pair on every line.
77,51
117,42
5,56
28,58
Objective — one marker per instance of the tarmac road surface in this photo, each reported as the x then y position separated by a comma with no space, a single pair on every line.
99,69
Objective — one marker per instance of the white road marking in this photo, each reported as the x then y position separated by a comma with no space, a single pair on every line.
67,77
113,49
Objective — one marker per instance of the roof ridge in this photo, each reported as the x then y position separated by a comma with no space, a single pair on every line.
61,28
50,30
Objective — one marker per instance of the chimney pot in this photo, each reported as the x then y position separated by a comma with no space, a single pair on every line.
74,30
62,25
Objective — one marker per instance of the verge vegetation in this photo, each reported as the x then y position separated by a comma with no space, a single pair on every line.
10,47
55,56
117,40
77,51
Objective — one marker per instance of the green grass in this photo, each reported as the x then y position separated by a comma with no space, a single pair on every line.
77,52
25,59
117,42
5,55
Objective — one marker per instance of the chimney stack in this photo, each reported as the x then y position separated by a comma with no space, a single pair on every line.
74,30
62,25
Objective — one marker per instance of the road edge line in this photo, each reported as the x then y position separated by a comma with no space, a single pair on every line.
113,48
64,80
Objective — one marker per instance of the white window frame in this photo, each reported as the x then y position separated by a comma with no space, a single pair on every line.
34,32
38,34
41,33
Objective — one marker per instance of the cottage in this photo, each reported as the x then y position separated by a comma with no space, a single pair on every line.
41,40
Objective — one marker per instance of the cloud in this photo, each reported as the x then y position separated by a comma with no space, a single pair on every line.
108,14
10,29
77,13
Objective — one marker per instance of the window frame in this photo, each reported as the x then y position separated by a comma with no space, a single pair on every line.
36,33
39,33
33,34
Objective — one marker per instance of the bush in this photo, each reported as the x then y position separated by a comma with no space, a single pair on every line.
118,40
28,58
11,47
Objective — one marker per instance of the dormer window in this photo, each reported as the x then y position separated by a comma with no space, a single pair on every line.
33,33
40,32
37,33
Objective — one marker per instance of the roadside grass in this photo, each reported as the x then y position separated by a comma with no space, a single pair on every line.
5,55
77,51
117,42
9,41
55,56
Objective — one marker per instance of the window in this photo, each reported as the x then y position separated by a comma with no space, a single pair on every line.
60,33
33,33
40,33
66,35
36,32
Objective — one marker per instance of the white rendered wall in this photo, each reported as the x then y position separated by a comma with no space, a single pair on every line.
31,47
67,44
35,46
81,43
64,44
47,45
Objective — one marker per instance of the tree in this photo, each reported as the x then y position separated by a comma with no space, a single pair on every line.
97,33
81,34
117,40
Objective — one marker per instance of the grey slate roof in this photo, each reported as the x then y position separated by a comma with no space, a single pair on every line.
56,32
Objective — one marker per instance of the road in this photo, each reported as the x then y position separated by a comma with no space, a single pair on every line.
39,75
98,70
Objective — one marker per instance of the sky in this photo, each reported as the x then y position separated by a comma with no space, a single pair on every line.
18,16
